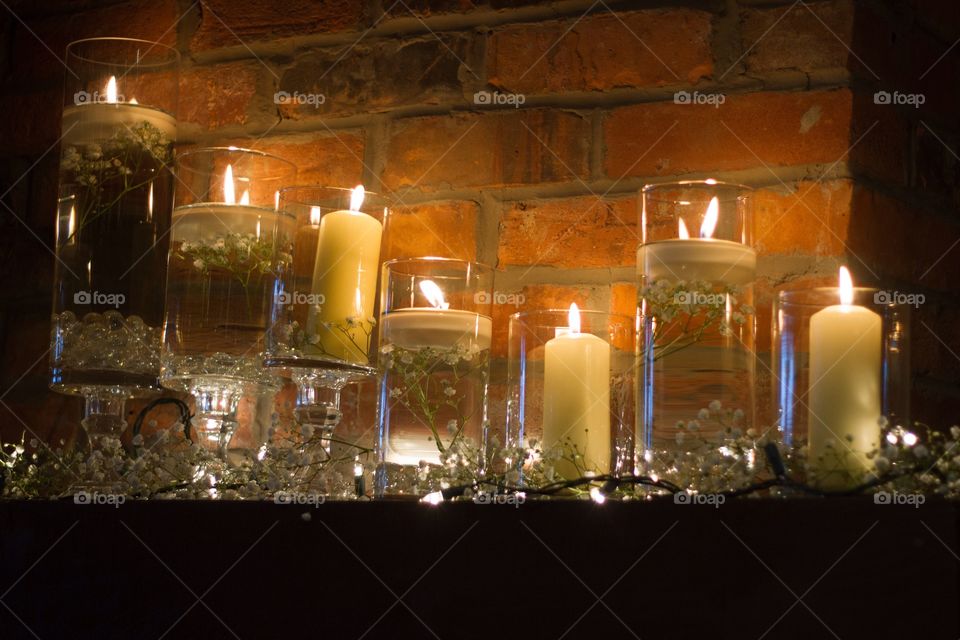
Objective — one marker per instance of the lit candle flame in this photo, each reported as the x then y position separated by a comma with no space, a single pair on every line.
314,215
229,197
710,219
71,222
133,101
245,198
846,287
682,230
356,198
150,203
358,304
433,294
111,90
573,318
258,221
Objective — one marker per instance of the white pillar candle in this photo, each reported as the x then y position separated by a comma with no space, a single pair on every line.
435,328
704,258
844,399
576,397
96,121
345,274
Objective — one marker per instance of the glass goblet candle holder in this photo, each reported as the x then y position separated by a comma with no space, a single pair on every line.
695,270
113,218
841,369
434,357
323,332
222,270
571,393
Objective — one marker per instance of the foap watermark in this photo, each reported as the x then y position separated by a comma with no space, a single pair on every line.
310,99
299,498
499,98
895,497
299,297
700,298
910,99
898,297
500,298
710,499
85,97
112,499
516,499
116,300
696,97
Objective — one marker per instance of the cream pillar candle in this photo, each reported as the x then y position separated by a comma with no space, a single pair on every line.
576,397
345,274
98,120
844,399
704,258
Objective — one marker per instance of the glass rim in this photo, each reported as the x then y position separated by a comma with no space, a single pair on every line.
519,315
320,187
71,46
787,297
649,191
232,149
437,260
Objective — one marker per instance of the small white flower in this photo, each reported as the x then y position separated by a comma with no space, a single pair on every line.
715,406
450,392
703,414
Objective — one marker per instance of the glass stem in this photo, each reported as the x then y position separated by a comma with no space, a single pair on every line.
318,402
103,414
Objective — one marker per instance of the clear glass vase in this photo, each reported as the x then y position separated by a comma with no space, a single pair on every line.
113,218
323,331
434,358
571,393
841,372
223,265
695,269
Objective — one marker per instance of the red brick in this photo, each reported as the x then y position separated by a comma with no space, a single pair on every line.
446,229
326,158
31,121
384,75
792,37
901,242
583,232
880,139
236,23
936,164
39,47
496,148
602,51
220,95
813,219
427,8
782,129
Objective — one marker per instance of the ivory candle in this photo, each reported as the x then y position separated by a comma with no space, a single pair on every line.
704,258
576,397
94,122
436,328
345,274
844,399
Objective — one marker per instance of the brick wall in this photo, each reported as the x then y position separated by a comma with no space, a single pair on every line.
546,191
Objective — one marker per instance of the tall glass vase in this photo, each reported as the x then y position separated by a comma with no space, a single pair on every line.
323,332
434,357
695,270
222,269
113,218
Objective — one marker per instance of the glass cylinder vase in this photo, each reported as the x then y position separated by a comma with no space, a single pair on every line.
222,270
841,371
695,269
434,357
113,218
323,332
571,391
